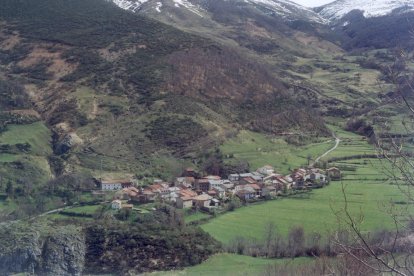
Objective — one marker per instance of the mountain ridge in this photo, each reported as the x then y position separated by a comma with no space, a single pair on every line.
284,8
370,8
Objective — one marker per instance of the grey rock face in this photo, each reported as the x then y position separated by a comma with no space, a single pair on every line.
63,255
57,251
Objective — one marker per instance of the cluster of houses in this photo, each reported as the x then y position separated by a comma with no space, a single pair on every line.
208,192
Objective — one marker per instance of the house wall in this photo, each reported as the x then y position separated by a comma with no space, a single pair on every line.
111,186
184,204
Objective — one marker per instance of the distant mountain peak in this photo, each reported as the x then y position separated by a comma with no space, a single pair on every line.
157,5
284,8
370,8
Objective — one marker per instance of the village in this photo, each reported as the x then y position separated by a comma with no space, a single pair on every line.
211,192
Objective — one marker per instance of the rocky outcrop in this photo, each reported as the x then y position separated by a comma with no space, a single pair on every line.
19,254
41,249
67,142
63,254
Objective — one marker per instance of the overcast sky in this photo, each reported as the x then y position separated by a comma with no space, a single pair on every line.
312,3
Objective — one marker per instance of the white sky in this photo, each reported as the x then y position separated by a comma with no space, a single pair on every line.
312,3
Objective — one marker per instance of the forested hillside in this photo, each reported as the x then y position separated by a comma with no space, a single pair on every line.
101,91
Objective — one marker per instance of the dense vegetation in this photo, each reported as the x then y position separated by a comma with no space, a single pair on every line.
157,241
388,31
145,247
12,96
175,132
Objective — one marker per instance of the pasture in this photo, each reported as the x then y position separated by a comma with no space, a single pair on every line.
36,134
366,186
259,150
229,264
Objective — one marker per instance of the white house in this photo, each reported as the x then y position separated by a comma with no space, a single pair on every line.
115,184
116,204
234,177
266,170
316,178
111,186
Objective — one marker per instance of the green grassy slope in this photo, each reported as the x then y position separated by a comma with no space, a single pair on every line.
367,189
259,150
232,265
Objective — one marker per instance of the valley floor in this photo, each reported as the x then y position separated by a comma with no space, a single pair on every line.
369,193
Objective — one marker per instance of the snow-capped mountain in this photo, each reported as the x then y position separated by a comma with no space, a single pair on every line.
371,8
288,9
156,5
284,8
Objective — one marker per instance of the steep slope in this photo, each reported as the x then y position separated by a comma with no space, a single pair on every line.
370,8
129,95
373,23
283,8
273,32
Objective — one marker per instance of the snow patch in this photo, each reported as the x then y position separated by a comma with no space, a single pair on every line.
370,8
158,7
286,8
134,5
189,6
129,5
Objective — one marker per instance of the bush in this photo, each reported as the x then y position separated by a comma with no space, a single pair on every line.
175,132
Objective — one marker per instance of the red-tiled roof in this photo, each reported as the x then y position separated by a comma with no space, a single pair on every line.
187,193
203,197
212,177
255,186
249,180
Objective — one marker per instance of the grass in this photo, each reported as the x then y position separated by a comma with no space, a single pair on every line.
195,217
89,209
313,211
36,134
351,144
35,166
229,264
6,158
259,150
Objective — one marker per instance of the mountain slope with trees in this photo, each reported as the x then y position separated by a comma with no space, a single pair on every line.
102,79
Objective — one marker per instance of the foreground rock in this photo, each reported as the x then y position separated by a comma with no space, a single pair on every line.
41,249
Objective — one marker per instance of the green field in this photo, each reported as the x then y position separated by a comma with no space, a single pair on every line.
36,134
367,189
33,165
313,212
229,264
195,217
260,150
87,210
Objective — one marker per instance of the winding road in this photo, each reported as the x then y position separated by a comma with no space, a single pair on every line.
337,142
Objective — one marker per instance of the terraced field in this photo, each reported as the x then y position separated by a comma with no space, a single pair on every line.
260,150
366,186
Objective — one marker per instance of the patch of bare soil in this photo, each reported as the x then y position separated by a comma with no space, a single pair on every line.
317,43
57,65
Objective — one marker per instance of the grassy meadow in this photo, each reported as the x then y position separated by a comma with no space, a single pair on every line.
313,211
229,265
33,164
368,191
259,150
36,134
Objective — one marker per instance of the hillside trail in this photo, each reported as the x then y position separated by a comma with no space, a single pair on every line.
94,111
337,142
46,213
